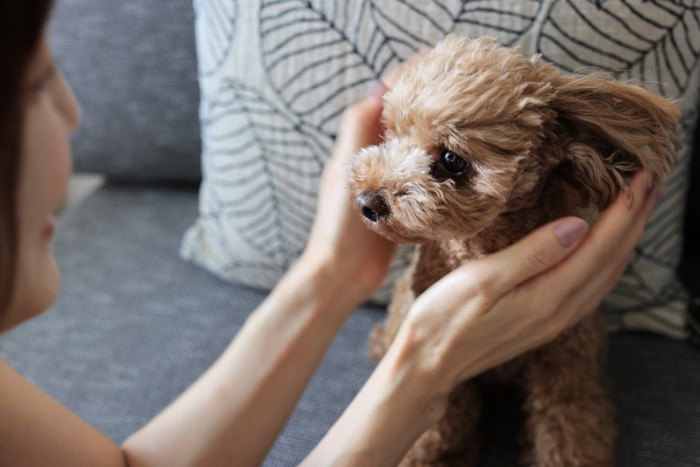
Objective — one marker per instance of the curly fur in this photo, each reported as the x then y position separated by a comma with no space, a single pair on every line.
539,144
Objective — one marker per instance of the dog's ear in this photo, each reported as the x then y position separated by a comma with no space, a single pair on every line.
611,130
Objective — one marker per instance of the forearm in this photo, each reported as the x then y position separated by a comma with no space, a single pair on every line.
235,411
394,407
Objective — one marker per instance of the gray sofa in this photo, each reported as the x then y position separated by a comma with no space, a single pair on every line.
135,324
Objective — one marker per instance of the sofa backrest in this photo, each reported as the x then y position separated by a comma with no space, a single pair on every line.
133,67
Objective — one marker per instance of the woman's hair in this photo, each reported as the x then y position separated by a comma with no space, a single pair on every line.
22,24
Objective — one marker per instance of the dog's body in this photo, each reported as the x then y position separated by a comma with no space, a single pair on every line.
482,147
568,411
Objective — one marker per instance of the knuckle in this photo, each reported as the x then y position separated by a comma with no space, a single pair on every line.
536,259
478,284
549,301
418,345
545,306
552,328
607,251
413,332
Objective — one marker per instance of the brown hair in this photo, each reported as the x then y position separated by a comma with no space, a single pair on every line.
21,27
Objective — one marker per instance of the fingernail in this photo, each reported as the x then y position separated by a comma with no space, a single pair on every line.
571,230
377,90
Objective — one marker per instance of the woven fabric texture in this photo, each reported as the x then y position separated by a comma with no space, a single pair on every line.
132,65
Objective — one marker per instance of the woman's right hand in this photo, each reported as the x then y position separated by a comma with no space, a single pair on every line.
500,306
479,316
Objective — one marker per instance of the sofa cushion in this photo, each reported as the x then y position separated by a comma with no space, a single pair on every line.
133,67
275,77
135,325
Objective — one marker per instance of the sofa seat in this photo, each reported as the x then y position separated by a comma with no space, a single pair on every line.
135,325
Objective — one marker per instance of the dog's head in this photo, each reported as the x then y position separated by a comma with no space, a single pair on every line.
475,130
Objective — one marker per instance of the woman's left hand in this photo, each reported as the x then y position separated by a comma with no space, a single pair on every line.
339,239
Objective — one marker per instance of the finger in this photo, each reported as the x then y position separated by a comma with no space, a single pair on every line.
360,126
611,239
393,76
602,283
539,251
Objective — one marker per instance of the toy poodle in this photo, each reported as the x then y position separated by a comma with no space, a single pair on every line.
483,145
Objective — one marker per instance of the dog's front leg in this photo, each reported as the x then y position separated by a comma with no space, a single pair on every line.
570,420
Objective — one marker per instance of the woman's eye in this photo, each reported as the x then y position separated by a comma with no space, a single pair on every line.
452,162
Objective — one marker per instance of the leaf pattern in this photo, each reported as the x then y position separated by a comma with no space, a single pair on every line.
216,26
321,56
655,42
262,172
313,57
508,22
408,28
271,105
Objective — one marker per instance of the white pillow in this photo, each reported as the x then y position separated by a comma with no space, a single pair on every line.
275,77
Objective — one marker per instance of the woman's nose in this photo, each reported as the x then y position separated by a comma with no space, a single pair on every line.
67,103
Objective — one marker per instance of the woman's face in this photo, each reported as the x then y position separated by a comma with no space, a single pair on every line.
51,114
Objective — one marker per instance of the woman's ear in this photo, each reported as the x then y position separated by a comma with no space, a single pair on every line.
612,130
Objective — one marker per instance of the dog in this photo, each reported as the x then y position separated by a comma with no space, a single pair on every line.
483,145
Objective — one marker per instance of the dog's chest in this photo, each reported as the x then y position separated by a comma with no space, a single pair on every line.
433,261
506,373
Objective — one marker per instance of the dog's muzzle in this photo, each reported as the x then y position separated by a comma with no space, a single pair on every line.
372,205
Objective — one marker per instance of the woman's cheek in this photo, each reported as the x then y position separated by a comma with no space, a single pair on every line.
42,174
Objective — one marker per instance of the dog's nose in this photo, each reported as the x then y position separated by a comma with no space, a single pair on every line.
372,205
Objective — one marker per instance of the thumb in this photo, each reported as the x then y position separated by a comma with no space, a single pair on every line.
537,252
361,123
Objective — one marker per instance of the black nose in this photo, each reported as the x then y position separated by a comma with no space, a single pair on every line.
372,205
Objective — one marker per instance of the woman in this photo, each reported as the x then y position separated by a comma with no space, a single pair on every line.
554,277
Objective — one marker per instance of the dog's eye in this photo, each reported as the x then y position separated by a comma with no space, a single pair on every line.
453,163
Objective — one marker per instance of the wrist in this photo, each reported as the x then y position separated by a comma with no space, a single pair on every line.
408,368
393,409
314,284
419,360
332,277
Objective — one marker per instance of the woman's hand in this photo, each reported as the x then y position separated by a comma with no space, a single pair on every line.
480,316
510,302
339,238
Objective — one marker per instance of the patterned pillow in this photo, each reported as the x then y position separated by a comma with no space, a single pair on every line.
275,77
